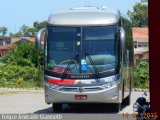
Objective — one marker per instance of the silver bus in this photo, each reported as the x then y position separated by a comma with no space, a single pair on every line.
88,57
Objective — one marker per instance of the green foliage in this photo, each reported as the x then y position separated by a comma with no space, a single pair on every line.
26,31
17,76
24,54
3,31
18,34
139,16
141,75
22,67
32,31
39,25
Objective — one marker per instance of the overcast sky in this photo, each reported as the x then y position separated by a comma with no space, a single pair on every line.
15,13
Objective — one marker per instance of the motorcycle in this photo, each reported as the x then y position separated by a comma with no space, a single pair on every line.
142,107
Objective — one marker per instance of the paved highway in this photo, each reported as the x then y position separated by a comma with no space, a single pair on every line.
32,101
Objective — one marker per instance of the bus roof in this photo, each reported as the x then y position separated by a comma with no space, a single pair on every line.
84,16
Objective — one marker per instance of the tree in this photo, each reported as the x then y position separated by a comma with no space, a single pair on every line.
3,31
39,25
18,34
139,16
24,54
32,31
24,30
11,34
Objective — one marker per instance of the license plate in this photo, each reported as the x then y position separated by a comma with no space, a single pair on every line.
80,97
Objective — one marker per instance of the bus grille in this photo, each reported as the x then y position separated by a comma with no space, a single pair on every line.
76,89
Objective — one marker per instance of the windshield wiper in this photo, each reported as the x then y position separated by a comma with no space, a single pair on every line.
75,57
93,65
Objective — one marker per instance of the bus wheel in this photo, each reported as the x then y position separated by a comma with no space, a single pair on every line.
57,107
117,107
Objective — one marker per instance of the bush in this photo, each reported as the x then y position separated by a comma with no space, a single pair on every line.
22,67
17,76
141,75
24,54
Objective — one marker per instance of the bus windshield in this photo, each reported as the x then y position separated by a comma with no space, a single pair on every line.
81,50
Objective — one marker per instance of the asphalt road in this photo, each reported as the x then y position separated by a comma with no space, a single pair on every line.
32,101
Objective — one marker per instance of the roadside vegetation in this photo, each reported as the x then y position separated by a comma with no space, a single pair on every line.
22,67
141,76
139,15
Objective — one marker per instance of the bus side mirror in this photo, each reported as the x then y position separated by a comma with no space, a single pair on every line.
122,38
40,37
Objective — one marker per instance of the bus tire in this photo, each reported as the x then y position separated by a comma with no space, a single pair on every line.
117,107
57,107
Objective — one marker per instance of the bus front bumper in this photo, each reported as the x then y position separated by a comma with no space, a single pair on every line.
110,95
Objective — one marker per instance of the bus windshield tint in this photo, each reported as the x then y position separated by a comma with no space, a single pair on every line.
68,49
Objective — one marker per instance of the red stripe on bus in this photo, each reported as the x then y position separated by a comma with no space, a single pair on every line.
62,82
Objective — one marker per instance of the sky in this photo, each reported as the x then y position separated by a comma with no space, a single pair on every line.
15,13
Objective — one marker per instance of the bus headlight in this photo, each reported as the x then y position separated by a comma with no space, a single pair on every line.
110,84
54,86
110,81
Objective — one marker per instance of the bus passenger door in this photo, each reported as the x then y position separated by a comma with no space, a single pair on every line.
125,74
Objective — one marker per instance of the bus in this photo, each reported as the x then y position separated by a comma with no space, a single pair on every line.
88,57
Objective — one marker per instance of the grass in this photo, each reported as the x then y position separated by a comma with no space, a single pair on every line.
8,92
23,84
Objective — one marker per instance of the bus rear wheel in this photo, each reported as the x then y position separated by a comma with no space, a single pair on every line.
57,107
